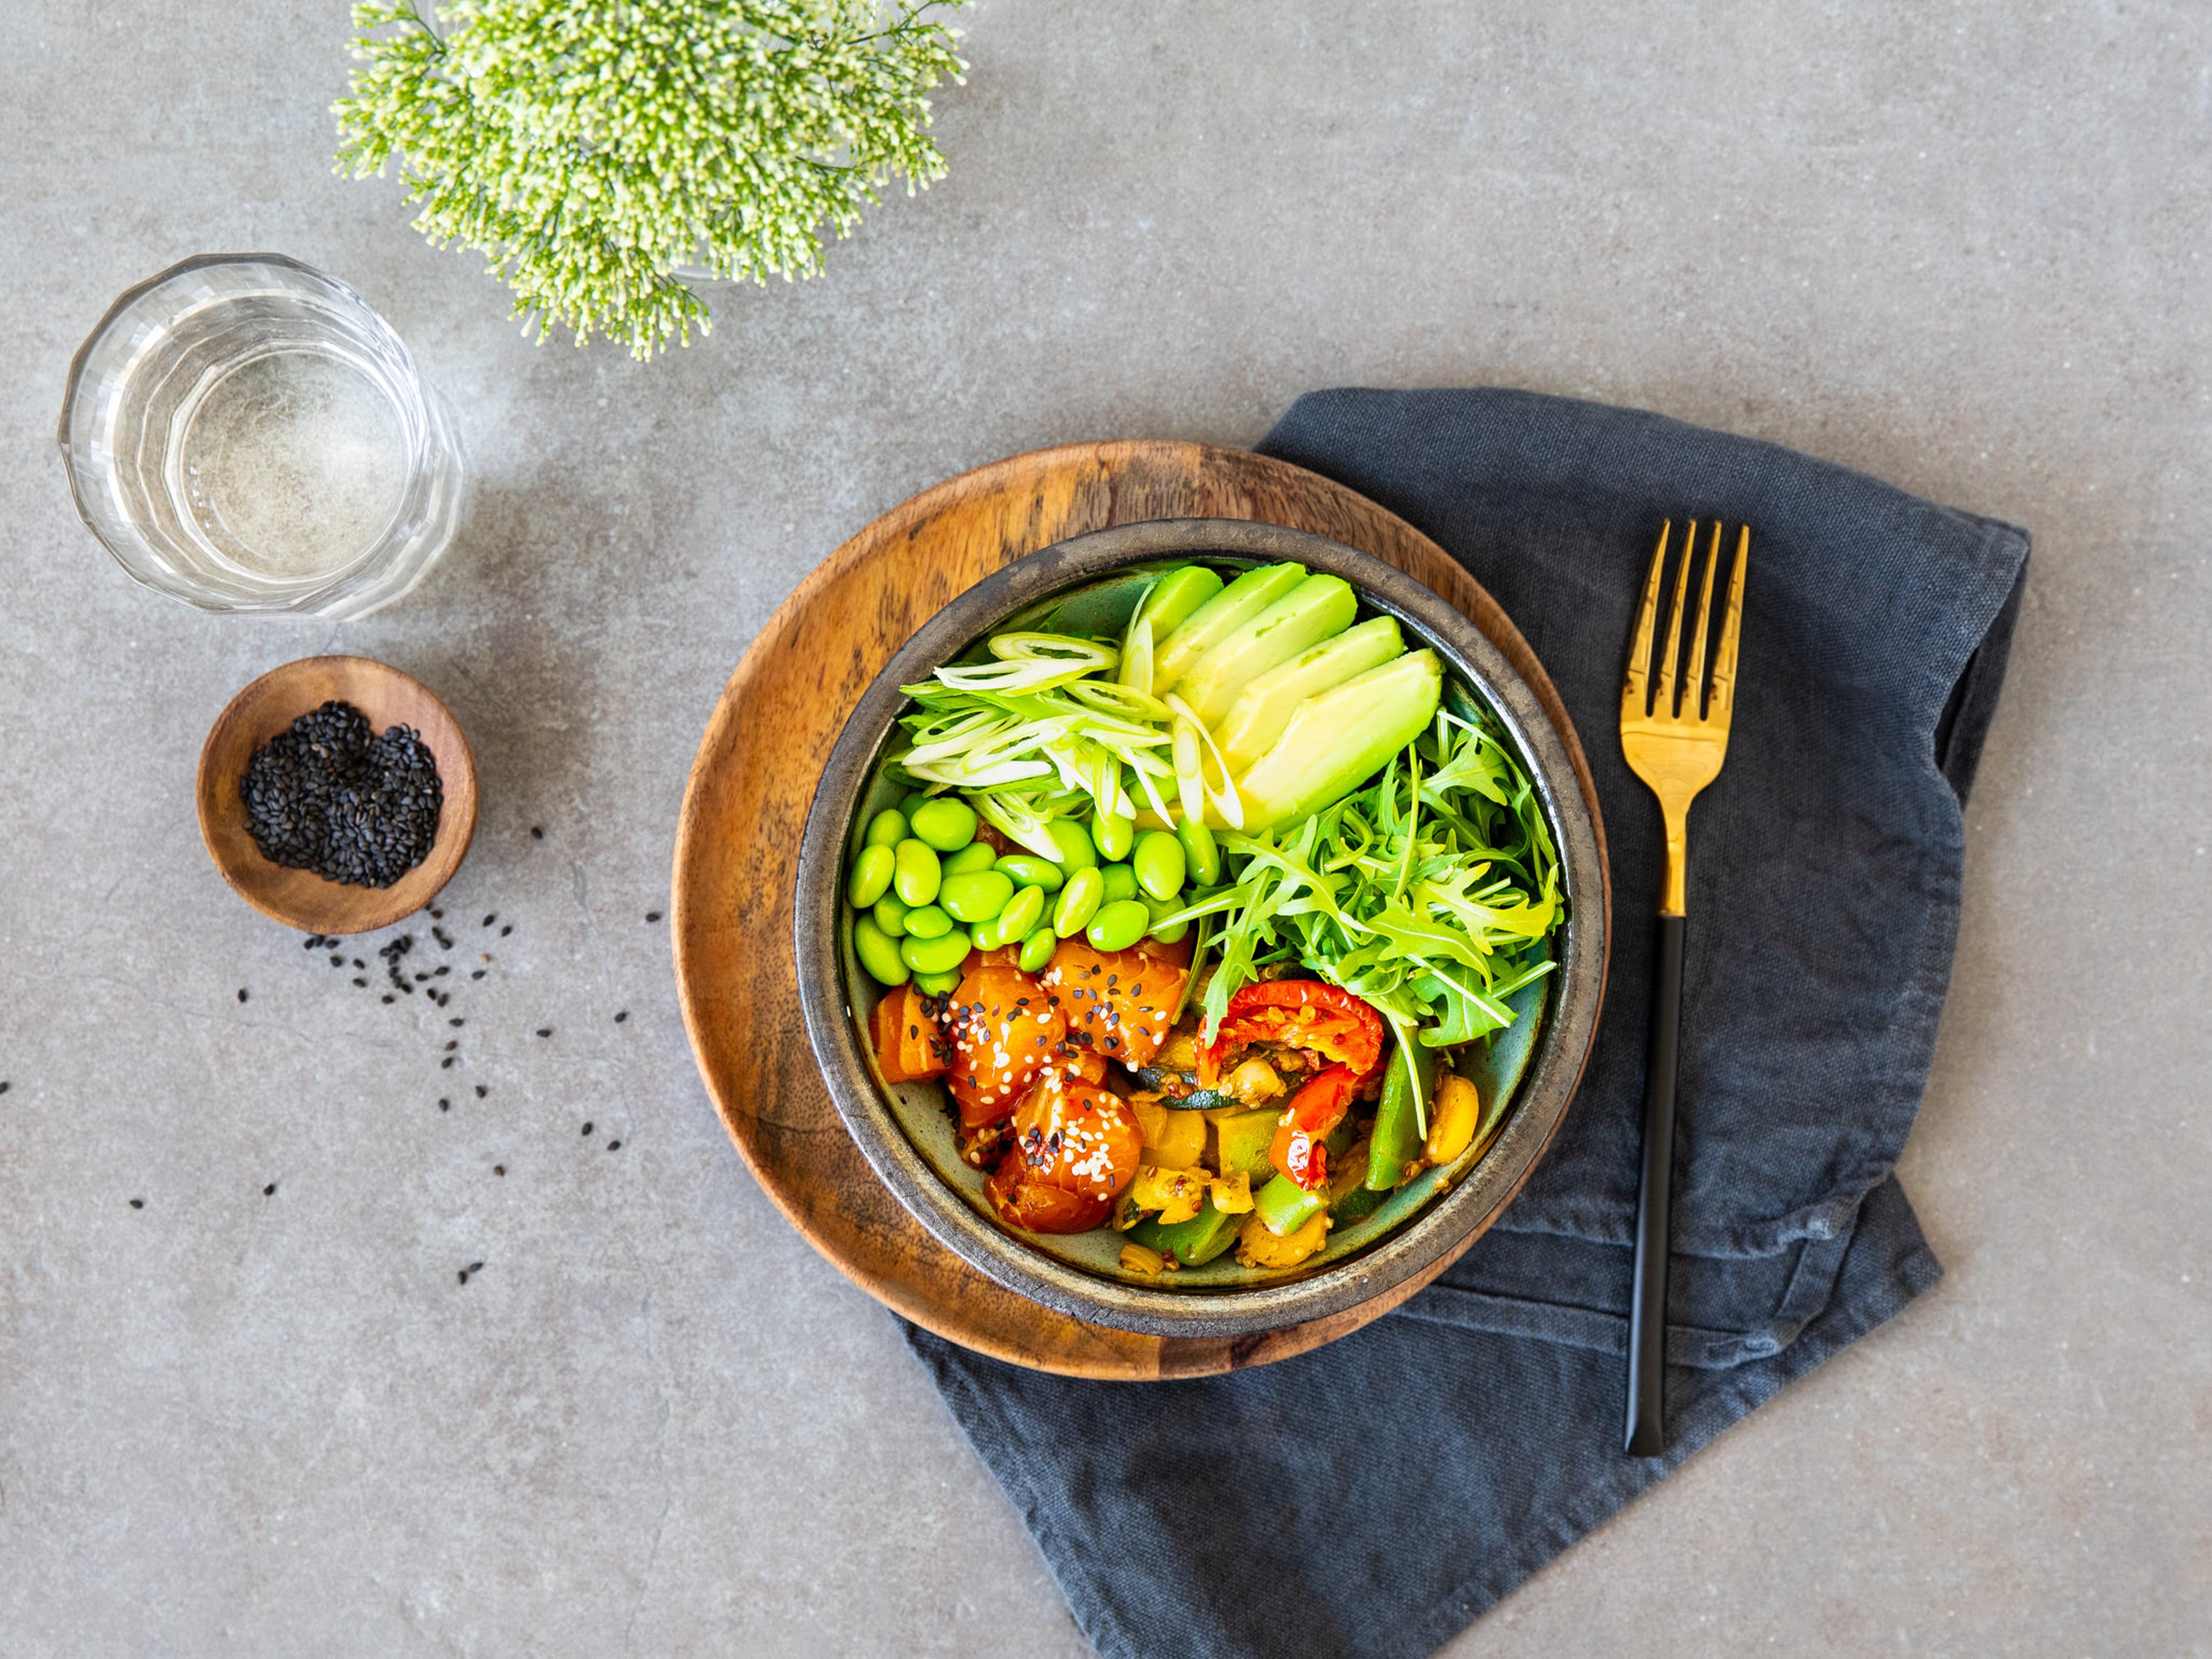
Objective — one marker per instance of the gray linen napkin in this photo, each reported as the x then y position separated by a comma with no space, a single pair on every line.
1372,1497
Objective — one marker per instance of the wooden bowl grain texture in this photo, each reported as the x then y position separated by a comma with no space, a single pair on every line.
387,697
747,804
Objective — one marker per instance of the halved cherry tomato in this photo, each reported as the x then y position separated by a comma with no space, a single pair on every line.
1117,1003
1313,1112
909,1041
1296,1013
1076,1146
1004,1029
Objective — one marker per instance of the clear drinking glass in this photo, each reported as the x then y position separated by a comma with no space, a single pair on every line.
245,433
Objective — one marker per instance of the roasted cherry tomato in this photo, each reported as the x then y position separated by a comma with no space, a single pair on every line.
1313,1112
1116,1003
1004,1030
909,1041
1296,1013
1075,1148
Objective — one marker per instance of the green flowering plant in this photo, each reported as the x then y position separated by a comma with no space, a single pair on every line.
591,146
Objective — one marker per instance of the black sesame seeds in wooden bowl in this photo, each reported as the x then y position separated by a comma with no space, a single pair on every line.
337,820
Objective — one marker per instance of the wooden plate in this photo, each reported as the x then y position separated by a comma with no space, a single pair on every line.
387,698
754,777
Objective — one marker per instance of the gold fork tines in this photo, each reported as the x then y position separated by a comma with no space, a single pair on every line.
1674,733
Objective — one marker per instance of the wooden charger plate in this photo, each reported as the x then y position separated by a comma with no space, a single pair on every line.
737,847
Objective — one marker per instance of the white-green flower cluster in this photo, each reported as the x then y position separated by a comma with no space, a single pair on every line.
589,147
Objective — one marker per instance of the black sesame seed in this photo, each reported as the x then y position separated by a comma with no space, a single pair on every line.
364,983
490,919
269,1191
328,795
479,974
499,1169
437,916
387,996
444,1104
138,1203
506,930
653,915
614,1145
482,1092
545,1031
241,993
3,1088
537,834
446,1064
619,1019
457,1020
452,1044
587,1128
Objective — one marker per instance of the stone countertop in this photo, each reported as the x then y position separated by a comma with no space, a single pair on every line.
1960,249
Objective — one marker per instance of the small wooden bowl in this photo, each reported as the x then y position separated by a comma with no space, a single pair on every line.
387,697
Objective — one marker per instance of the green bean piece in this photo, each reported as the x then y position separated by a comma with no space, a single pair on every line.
1396,1141
1121,882
1118,925
976,896
872,874
1076,852
927,922
938,985
1037,949
918,874
1173,933
1200,851
1111,834
887,828
976,855
1159,863
1192,1243
1020,917
947,824
934,956
1028,869
1284,1206
879,953
890,916
1078,901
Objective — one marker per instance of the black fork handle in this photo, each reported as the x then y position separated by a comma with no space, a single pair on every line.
1647,1312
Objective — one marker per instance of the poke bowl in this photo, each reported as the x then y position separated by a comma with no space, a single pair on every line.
1199,927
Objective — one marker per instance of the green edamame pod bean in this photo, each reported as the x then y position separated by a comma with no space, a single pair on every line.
946,824
1020,917
1159,862
1173,933
918,873
976,896
934,956
887,828
1078,902
1111,834
890,916
1200,850
879,953
938,985
1121,882
1118,925
1076,852
872,874
910,800
927,922
1037,949
1028,869
986,934
976,855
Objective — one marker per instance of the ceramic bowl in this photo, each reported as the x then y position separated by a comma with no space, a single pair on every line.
905,1131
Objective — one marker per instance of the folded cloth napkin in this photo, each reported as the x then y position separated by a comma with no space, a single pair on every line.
1372,1497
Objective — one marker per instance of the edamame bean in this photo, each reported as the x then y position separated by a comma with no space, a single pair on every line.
1159,862
1076,852
976,896
887,828
946,824
1020,917
938,985
1121,882
918,874
879,953
934,956
927,922
976,855
890,916
872,874
1111,834
1078,902
1173,933
910,800
1028,869
1118,925
1037,949
1200,851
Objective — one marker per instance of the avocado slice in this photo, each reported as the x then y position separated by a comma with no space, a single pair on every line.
1265,706
1180,593
1319,608
1214,621
1338,740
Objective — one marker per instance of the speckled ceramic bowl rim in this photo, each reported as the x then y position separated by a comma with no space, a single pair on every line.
1539,1102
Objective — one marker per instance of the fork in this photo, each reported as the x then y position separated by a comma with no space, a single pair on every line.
1676,747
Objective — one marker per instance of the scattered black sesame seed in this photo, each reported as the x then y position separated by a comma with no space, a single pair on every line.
138,1203
545,1031
241,993
588,1127
614,1145
479,974
622,1016
490,919
499,1169
337,960
653,915
269,1191
3,1088
452,1044
446,1064
387,996
444,1104
358,980
358,962
482,1092
506,930
457,1020
537,834
437,916
328,795
442,971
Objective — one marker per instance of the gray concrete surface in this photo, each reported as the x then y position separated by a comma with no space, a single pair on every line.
1962,245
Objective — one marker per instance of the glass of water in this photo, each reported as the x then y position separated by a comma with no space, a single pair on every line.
244,434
